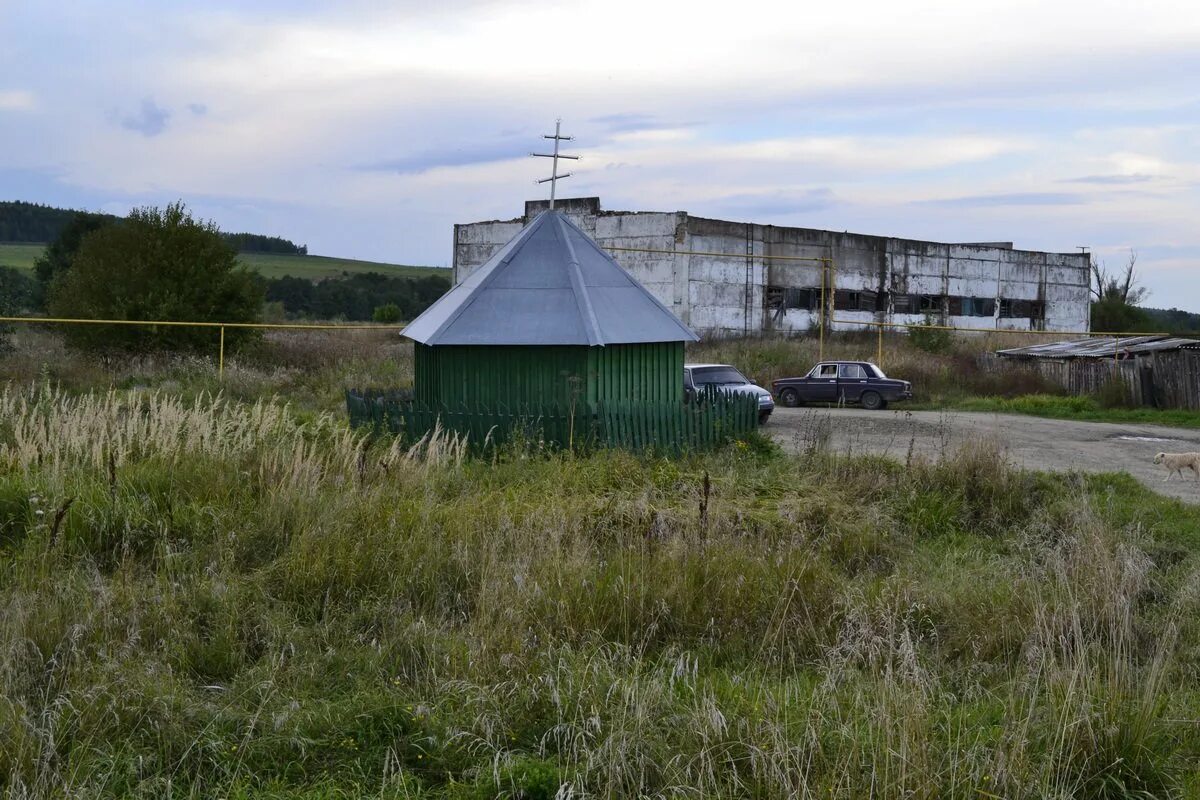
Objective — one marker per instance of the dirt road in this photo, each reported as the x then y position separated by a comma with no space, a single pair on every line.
1032,442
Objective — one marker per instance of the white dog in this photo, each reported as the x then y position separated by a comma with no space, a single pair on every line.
1177,462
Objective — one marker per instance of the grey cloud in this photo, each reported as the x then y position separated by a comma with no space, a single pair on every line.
1110,180
199,109
1013,199
481,153
629,121
624,121
150,120
779,204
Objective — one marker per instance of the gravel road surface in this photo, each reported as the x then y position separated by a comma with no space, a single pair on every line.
1032,442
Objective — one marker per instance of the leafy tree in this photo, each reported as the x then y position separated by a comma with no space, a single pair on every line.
157,264
1116,296
1115,316
16,297
60,255
386,313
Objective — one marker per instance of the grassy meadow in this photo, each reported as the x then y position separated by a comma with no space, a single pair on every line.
20,256
269,265
218,590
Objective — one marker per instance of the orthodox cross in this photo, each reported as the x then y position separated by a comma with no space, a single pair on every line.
554,176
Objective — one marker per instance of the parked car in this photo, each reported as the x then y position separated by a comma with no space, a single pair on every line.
697,377
842,382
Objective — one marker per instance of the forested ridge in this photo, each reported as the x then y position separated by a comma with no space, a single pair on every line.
32,222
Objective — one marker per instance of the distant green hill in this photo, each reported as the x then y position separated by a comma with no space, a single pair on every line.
1173,320
269,265
31,222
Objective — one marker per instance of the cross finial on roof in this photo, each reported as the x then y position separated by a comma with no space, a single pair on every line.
554,176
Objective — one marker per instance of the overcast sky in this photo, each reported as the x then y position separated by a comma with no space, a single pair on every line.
367,129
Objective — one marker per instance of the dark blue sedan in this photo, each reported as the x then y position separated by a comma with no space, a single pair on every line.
842,382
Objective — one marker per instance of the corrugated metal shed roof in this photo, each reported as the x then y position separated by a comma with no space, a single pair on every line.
1101,347
551,284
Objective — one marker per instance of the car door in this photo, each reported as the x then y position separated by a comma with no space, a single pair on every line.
822,384
852,380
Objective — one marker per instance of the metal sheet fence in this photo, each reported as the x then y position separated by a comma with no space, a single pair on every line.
708,420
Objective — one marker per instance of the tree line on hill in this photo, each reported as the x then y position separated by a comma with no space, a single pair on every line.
162,264
356,297
31,222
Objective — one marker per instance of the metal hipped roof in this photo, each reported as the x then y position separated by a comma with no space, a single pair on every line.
551,284
1101,347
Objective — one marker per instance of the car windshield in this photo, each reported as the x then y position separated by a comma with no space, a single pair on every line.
717,376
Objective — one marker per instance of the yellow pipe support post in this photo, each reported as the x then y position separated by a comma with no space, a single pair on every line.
221,358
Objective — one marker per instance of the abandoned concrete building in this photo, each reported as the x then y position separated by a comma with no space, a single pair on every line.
733,278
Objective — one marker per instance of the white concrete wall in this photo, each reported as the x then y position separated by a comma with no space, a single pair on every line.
702,275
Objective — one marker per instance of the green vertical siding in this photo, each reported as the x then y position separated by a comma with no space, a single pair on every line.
457,375
637,373
509,375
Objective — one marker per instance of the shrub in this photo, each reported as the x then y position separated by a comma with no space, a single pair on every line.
926,336
386,313
1113,393
157,264
16,296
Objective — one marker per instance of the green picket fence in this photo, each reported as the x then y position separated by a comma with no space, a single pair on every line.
707,420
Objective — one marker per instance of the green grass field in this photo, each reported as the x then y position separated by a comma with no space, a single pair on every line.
213,588
20,256
269,265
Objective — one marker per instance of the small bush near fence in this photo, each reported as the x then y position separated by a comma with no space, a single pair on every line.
929,337
710,419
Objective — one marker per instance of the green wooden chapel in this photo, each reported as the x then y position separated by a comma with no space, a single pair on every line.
549,320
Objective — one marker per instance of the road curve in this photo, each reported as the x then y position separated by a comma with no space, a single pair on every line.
1031,442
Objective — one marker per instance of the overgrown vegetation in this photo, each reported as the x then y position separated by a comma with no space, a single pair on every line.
930,337
212,598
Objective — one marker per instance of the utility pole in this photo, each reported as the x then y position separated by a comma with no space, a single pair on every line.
554,176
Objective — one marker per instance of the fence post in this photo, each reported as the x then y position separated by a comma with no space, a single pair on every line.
221,357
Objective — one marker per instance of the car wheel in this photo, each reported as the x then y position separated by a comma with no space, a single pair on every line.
872,401
790,398
763,416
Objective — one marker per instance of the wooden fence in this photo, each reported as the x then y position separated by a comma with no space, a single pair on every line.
708,420
1170,379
